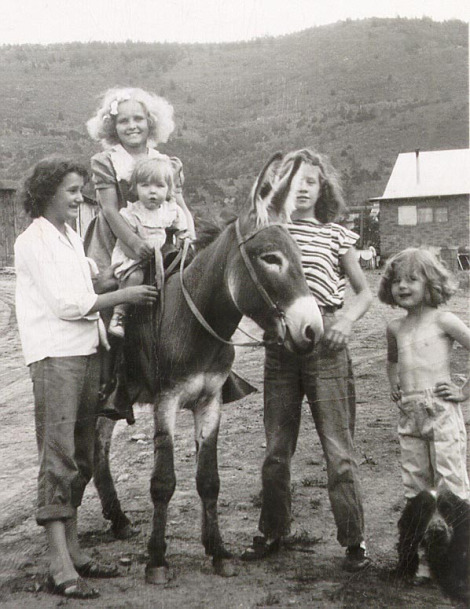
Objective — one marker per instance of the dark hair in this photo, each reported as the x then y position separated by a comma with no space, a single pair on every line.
440,284
42,181
330,205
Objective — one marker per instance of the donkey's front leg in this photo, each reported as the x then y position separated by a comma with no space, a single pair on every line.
207,420
162,487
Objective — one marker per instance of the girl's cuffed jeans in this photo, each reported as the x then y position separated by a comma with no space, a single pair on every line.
325,377
65,395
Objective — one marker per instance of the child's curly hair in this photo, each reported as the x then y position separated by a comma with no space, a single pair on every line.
153,170
330,205
440,284
102,127
42,181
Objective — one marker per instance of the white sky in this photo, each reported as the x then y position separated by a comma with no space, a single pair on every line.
49,21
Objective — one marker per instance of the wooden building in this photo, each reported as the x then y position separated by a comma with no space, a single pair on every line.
12,222
427,202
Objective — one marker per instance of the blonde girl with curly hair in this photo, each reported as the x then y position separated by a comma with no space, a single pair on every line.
129,124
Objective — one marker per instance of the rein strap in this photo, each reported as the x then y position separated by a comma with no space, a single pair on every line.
195,311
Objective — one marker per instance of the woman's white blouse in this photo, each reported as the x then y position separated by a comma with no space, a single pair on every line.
54,293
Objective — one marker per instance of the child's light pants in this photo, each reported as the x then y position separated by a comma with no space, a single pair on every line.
433,444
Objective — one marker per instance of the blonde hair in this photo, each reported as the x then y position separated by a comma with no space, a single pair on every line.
102,127
330,205
440,284
152,170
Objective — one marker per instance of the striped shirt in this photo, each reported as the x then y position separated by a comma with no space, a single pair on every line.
322,246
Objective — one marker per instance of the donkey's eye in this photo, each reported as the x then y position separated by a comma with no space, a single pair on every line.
274,259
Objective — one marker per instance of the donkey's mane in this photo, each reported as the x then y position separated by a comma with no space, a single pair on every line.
209,230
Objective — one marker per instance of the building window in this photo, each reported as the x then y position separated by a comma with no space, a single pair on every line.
441,215
407,215
425,215
410,215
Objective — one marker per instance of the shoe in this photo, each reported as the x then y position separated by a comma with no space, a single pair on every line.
72,588
117,325
260,549
97,570
356,558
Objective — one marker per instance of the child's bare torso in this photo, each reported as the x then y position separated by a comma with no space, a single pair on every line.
423,351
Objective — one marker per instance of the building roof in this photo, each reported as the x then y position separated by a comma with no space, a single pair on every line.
429,174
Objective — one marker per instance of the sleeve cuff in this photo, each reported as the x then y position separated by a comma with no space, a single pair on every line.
87,303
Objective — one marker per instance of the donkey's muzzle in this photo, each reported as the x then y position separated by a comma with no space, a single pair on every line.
301,346
304,325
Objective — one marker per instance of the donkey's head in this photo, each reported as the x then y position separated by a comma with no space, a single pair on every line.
265,276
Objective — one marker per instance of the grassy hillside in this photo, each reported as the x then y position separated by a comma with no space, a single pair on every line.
361,91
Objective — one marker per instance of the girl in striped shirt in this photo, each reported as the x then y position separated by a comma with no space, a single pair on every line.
323,376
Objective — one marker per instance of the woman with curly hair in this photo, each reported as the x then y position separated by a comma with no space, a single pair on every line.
60,331
324,376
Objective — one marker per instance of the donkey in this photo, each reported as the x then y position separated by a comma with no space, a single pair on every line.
252,268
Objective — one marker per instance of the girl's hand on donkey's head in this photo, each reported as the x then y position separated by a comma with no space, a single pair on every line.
141,294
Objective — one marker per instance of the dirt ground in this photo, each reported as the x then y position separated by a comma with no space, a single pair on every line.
306,575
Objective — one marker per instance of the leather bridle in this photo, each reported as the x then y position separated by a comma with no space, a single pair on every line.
278,313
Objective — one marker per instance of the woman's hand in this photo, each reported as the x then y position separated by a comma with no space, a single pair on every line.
140,294
449,391
396,394
337,336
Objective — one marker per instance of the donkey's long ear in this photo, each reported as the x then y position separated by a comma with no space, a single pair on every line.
270,200
282,204
262,191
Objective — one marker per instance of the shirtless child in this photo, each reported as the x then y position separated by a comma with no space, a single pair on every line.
431,427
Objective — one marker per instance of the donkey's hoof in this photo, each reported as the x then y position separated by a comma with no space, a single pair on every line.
158,576
223,567
125,532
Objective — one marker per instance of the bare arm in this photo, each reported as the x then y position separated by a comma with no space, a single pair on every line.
392,362
458,331
359,284
139,294
338,335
